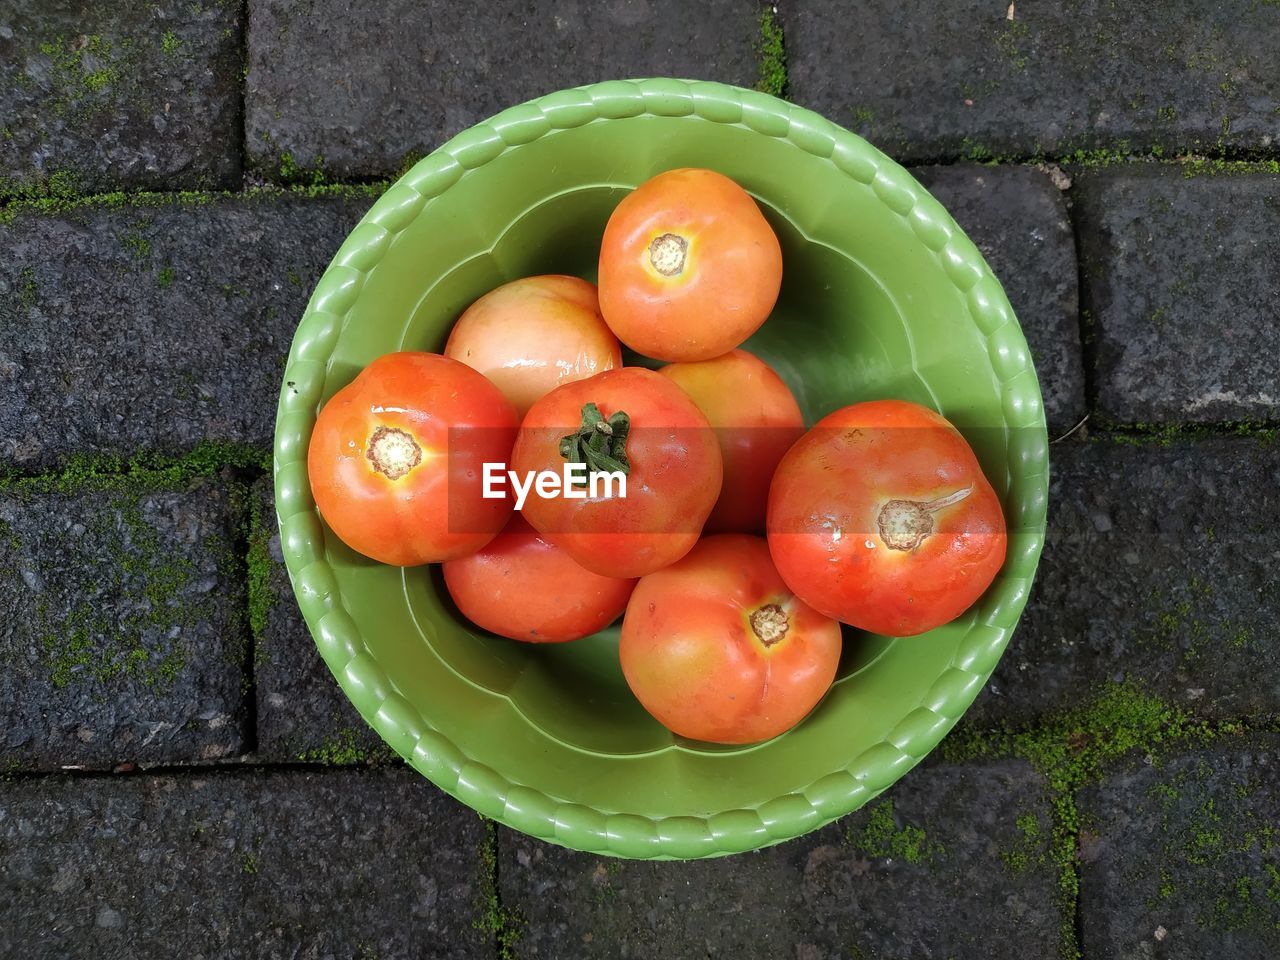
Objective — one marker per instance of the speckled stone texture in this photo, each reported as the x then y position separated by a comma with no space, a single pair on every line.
1181,860
919,872
245,864
102,96
1182,280
963,80
1158,568
302,712
123,637
361,89
1018,219
154,326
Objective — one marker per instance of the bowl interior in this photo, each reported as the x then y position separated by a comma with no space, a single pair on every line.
866,311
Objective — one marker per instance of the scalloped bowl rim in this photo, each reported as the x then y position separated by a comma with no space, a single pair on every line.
404,727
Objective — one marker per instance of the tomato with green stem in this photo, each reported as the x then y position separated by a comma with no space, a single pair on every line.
629,423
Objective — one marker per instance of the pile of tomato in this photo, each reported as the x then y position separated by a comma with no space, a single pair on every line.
689,500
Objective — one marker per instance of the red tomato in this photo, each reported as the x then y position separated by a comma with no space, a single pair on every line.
756,420
672,455
394,468
522,586
880,516
718,648
530,336
689,267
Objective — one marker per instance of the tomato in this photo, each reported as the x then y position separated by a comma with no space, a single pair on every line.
522,586
395,460
718,648
880,516
531,335
689,267
627,419
756,420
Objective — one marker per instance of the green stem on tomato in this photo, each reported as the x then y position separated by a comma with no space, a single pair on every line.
598,443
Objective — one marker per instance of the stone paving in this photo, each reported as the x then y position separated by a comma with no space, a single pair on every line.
182,777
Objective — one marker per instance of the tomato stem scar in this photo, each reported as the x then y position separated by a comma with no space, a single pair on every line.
393,452
667,254
905,524
770,624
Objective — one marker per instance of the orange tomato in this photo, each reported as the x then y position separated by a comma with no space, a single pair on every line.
689,267
718,648
756,420
397,455
530,336
522,586
880,516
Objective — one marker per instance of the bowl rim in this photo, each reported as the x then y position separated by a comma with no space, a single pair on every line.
405,729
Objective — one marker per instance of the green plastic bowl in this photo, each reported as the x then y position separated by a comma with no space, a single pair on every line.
882,296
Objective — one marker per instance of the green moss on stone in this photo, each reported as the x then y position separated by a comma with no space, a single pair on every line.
27,290
169,43
771,49
882,837
342,750
165,277
1073,749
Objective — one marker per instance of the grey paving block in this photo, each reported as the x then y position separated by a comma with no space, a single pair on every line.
248,864
1018,219
962,79
1181,280
360,89
123,637
1181,860
154,326
1159,568
96,97
302,712
949,863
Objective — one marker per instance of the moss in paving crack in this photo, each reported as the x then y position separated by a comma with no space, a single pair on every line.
882,837
1165,434
1073,749
258,567
43,199
342,749
143,472
501,922
773,55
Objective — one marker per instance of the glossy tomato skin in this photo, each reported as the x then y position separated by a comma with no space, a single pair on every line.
395,460
673,484
689,267
881,517
529,336
522,586
718,648
756,419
